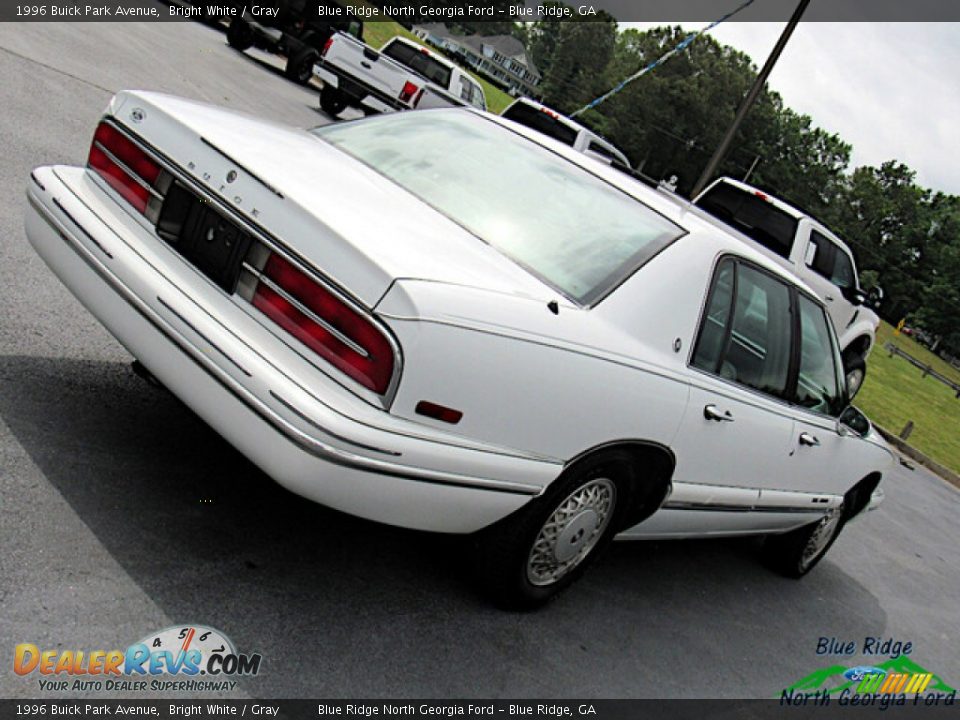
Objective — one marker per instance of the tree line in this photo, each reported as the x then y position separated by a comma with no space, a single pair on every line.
906,237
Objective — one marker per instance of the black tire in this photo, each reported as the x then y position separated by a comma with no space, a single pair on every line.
300,65
515,560
332,101
239,35
796,553
855,368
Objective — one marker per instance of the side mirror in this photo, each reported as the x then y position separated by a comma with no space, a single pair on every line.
853,422
875,296
854,295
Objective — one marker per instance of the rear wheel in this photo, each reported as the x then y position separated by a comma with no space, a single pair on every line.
332,101
797,552
300,65
529,557
239,35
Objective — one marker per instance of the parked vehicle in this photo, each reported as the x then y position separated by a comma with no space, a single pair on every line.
442,320
821,259
298,29
538,116
400,76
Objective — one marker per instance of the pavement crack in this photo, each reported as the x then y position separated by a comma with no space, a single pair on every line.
56,70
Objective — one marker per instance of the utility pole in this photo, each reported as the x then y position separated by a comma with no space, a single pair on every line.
748,101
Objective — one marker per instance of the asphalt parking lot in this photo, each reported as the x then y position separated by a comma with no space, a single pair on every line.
121,513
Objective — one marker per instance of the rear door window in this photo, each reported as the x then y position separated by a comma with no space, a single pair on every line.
755,217
746,332
541,121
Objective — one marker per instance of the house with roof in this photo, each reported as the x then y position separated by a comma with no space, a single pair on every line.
501,58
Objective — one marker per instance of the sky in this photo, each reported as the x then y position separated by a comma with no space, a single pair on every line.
891,90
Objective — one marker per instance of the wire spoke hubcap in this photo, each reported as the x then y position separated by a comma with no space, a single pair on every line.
571,531
824,532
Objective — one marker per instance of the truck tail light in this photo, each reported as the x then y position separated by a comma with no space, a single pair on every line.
125,167
409,90
326,46
325,324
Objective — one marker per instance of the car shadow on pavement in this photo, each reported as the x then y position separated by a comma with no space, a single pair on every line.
211,539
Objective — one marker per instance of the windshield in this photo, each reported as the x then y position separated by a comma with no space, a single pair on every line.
419,62
578,233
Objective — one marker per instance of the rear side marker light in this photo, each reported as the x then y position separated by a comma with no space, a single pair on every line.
438,412
126,168
324,323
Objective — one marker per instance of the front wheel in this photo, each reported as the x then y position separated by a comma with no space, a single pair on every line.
855,368
797,552
332,101
529,557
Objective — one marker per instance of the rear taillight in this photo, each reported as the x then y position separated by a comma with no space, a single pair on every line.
326,46
325,324
125,167
408,91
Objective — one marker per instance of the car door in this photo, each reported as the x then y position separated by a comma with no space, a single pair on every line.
823,459
830,272
737,430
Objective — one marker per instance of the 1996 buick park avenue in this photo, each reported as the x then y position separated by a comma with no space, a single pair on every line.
443,320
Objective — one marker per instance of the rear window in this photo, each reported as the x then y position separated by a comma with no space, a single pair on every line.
541,121
568,227
419,62
753,216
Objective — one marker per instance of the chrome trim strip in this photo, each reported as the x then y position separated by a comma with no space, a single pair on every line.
36,181
128,170
300,414
206,339
89,237
305,310
719,507
263,236
307,443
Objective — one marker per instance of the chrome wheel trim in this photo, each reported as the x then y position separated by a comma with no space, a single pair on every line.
822,535
571,531
854,381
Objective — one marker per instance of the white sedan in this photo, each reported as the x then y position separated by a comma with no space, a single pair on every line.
443,320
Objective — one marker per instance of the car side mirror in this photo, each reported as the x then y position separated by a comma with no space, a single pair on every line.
875,296
853,422
854,295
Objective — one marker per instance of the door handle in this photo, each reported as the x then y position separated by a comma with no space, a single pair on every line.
710,412
365,64
828,298
809,440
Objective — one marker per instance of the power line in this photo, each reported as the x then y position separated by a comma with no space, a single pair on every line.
659,61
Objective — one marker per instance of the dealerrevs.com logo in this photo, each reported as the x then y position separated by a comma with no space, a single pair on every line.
180,658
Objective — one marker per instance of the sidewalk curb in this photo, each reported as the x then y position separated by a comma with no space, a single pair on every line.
911,452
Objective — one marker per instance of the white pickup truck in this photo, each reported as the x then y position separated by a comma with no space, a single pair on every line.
539,117
807,247
402,75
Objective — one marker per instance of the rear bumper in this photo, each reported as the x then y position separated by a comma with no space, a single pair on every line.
322,442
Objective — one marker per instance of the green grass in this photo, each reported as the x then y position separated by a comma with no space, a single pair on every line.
376,33
895,392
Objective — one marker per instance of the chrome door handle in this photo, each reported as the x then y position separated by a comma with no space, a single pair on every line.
710,412
809,440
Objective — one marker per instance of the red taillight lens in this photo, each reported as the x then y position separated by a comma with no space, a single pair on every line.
343,337
125,167
326,46
409,90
